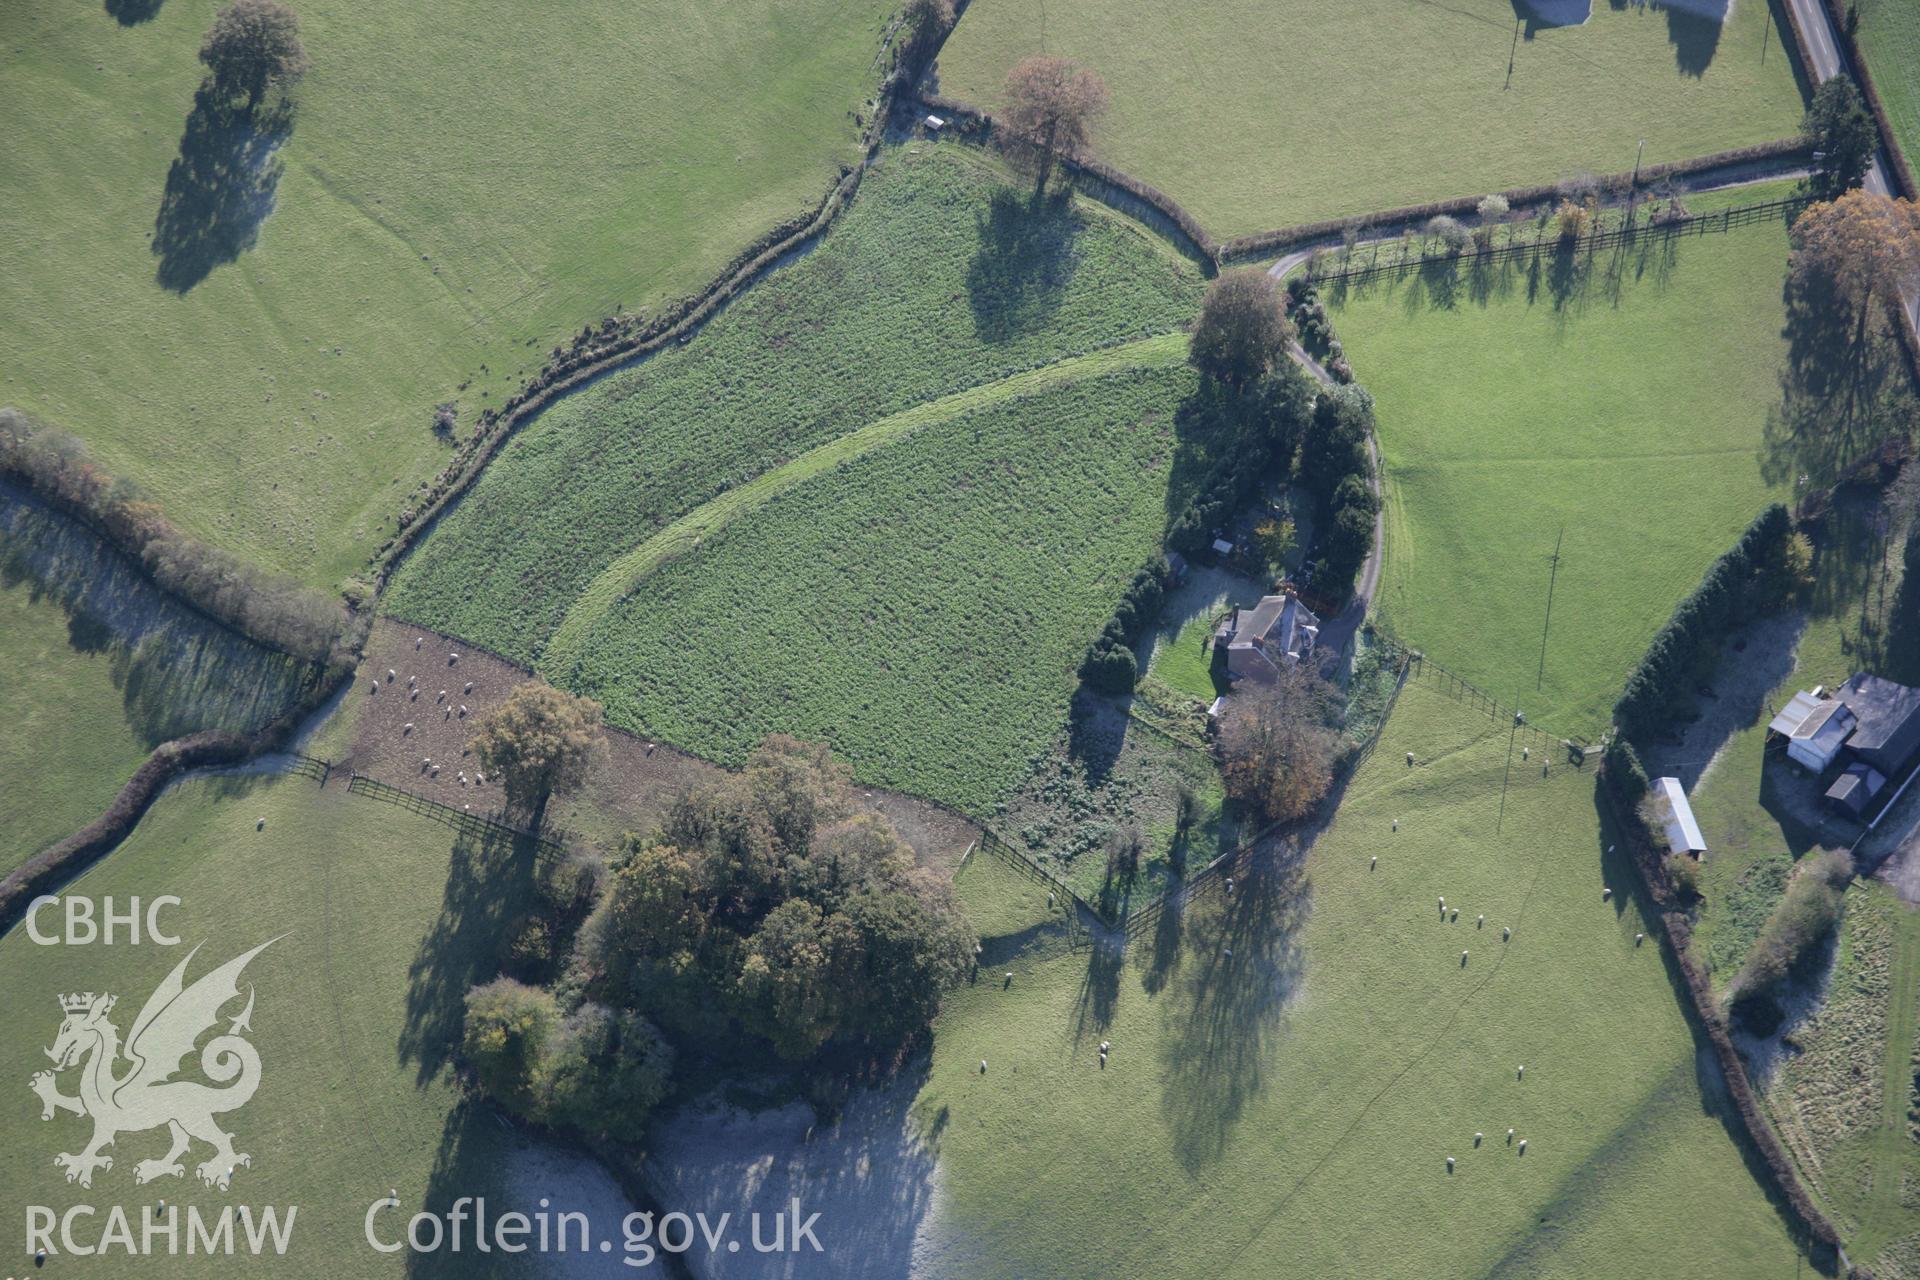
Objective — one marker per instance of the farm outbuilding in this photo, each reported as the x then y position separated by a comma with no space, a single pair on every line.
1869,725
1815,728
1676,818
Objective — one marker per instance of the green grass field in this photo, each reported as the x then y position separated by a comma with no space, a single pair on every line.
439,225
936,280
382,922
1257,115
1618,407
1889,35
1842,1099
921,607
1292,1066
103,667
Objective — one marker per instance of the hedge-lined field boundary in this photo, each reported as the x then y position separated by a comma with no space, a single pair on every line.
271,610
66,858
1706,1014
1264,244
622,339
1099,180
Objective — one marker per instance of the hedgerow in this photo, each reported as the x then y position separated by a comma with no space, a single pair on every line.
1741,583
937,278
922,608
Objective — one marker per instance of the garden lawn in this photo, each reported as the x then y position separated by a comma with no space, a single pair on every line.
465,186
379,929
937,279
1258,114
101,667
1287,1109
1617,407
922,607
1889,36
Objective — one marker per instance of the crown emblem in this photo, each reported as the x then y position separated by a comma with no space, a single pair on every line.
80,1002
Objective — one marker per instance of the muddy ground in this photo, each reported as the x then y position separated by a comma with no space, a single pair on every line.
628,789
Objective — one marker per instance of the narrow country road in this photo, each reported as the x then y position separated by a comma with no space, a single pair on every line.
1824,45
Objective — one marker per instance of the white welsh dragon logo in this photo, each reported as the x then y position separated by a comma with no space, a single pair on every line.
145,1095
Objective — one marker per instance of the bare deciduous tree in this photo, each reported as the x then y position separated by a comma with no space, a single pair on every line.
1052,105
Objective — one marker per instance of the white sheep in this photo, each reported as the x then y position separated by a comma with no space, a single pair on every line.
413,695
452,658
1481,923
374,688
412,680
1606,895
1520,1074
1443,905
1478,1138
1396,824
1409,759
391,675
1509,1137
983,1066
426,762
469,688
1524,753
1454,915
1463,957
1523,1146
442,697
407,727
1375,863
1639,938
1449,1164
259,824
417,641
463,711
1506,933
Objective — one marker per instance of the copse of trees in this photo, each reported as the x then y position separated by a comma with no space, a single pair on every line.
1051,107
252,46
539,741
1243,330
769,916
1257,431
597,1071
270,608
1841,128
1279,743
770,905
1761,571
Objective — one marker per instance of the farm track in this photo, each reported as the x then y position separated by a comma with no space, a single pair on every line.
687,533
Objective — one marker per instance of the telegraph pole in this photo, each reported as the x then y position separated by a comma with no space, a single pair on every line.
1552,577
1518,720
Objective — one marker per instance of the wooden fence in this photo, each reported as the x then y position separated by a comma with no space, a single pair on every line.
1546,242
478,825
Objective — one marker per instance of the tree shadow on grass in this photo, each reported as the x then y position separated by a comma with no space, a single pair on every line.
489,879
1227,1000
1025,260
1842,393
219,189
131,13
